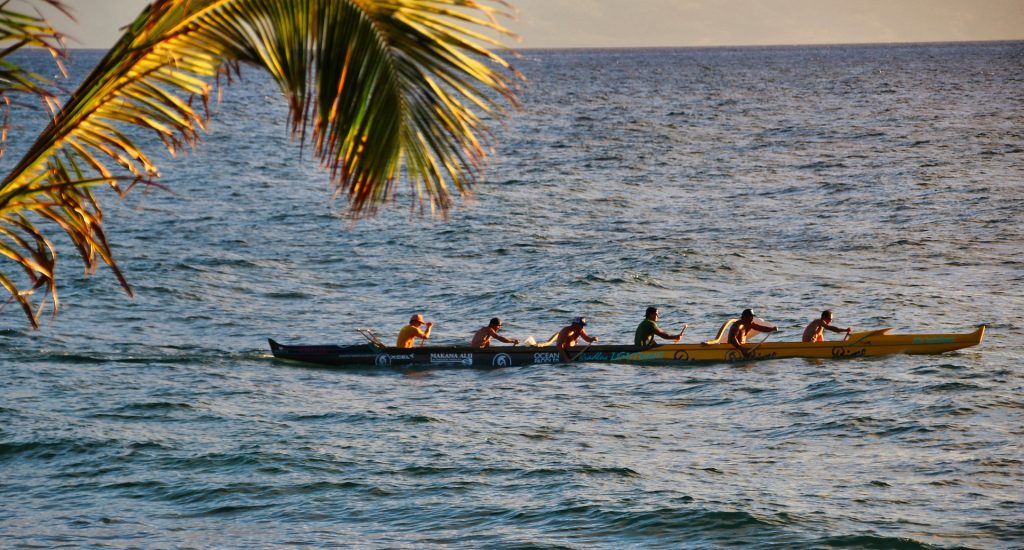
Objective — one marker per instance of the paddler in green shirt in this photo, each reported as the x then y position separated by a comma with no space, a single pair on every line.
648,329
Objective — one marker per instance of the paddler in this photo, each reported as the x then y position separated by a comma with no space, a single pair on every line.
815,331
567,337
412,331
740,329
482,338
648,329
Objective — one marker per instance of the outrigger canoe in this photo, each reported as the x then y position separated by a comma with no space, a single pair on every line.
859,344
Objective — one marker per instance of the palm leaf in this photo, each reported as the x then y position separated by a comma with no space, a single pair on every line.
20,30
381,90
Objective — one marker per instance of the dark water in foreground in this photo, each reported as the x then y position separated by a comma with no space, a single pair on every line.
885,182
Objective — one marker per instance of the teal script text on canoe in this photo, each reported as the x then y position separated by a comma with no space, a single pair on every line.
943,340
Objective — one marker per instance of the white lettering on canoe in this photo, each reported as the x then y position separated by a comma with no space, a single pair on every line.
384,360
547,357
463,358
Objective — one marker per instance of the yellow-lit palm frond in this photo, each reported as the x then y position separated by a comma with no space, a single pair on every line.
20,29
382,90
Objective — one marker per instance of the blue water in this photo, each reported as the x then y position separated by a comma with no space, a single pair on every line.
884,182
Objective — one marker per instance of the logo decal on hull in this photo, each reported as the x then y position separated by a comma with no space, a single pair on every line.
501,360
385,360
847,352
547,357
463,358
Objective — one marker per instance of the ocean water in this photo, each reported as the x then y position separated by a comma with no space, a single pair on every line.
884,182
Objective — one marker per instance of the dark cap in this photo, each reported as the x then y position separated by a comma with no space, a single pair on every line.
651,310
747,313
581,321
495,322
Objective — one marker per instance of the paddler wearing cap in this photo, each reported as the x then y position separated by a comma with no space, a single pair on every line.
740,329
412,331
567,337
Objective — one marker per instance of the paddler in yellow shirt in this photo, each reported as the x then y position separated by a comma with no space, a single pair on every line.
412,331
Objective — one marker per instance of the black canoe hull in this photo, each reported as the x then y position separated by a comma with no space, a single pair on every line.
369,355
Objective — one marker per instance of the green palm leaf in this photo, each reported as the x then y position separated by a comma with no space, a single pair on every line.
381,90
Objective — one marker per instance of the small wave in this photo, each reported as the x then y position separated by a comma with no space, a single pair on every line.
686,522
73,358
581,470
951,387
698,401
332,417
294,295
424,471
48,450
829,389
234,509
155,406
220,461
612,471
950,410
420,419
906,428
871,541
820,165
164,355
1001,462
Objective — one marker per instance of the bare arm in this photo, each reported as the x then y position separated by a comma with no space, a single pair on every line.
668,336
663,334
762,328
501,338
734,340
834,329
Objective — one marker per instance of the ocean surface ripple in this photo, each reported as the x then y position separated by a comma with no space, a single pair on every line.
884,182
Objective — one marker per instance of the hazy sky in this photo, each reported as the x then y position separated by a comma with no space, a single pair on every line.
628,23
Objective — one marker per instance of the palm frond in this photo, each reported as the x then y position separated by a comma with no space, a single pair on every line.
20,29
381,91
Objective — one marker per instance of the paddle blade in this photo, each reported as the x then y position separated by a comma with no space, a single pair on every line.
530,342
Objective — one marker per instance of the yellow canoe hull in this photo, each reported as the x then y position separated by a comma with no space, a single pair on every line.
860,344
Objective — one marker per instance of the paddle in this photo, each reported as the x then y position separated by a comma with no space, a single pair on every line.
577,356
681,332
753,349
427,332
371,337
